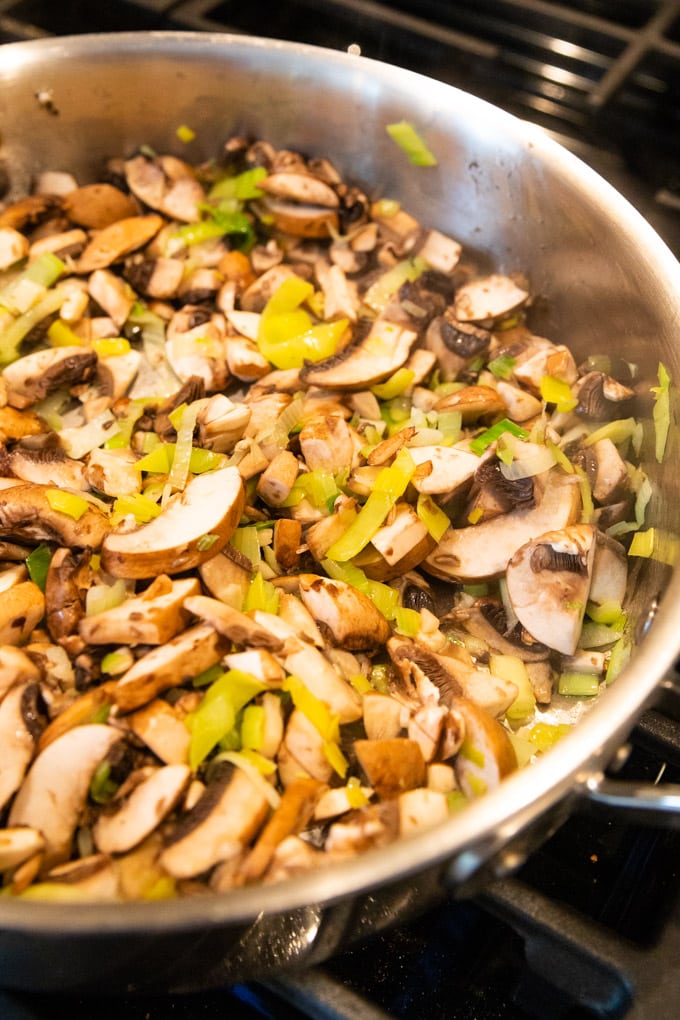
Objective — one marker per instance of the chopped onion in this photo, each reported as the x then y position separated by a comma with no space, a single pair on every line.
529,459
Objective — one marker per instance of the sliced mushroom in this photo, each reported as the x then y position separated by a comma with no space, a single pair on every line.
209,507
92,878
489,298
155,277
117,240
486,755
363,364
233,624
47,465
301,219
29,211
53,794
602,398
16,668
26,515
295,809
421,809
16,424
166,184
33,377
18,732
227,576
483,551
152,618
301,753
315,671
382,716
392,765
21,609
17,845
163,729
486,619
221,423
222,823
183,657
610,571
455,344
98,205
113,472
142,811
548,582
327,445
69,575
276,481
347,615
452,468
113,295
474,403
13,247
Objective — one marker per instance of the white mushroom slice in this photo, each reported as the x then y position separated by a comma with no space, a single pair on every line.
441,777
225,578
13,247
147,619
53,794
347,614
484,550
222,823
49,466
211,505
521,405
611,474
426,727
379,355
112,294
326,444
340,294
21,609
300,187
406,532
337,802
488,298
421,809
146,807
301,220
16,668
276,481
93,878
221,423
162,728
233,624
486,755
259,663
553,359
313,668
293,612
184,656
302,751
17,741
166,184
113,472
63,244
548,583
610,571
452,468
117,240
18,845
256,296
245,323
195,347
382,716
33,377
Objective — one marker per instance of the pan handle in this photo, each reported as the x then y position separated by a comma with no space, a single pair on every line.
645,803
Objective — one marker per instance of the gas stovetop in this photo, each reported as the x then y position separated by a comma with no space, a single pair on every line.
590,925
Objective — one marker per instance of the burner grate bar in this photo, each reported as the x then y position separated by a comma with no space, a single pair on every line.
319,996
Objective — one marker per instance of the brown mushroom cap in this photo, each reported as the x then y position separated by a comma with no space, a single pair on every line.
211,504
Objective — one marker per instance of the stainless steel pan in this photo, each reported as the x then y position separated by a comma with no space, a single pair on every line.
604,282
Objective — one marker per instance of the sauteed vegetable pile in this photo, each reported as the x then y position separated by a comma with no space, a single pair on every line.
301,526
